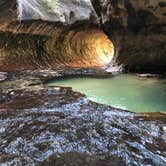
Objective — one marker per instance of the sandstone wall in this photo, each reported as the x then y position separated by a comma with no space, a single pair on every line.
39,44
138,28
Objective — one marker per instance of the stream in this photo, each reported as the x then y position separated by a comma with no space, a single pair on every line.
125,91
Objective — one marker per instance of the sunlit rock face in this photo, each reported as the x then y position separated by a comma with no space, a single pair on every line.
136,27
49,34
138,30
43,45
64,11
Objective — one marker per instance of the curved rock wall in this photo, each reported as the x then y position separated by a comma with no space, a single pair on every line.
42,44
138,28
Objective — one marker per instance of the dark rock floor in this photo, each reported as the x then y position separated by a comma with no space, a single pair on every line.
56,126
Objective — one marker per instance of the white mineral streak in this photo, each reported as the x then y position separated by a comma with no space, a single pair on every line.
66,11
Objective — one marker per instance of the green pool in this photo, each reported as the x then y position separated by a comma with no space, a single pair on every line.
126,91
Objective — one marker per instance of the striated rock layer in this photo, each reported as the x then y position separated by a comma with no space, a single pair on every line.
42,45
136,27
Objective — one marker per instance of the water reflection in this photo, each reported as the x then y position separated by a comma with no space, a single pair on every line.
125,91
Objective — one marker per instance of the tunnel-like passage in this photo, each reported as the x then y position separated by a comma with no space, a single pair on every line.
82,48
23,47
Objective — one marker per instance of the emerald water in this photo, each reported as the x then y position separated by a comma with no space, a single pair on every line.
131,92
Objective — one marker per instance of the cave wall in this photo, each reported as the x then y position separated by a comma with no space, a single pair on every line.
60,11
39,44
136,27
48,36
138,30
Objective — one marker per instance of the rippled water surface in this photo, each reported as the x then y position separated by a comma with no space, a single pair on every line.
134,93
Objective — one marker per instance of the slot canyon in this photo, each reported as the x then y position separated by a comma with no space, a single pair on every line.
83,82
60,46
137,30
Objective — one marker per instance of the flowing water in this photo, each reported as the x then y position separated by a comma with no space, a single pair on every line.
126,91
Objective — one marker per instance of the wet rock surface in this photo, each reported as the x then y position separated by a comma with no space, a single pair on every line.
136,28
57,126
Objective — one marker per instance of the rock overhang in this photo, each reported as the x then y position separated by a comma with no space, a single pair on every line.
128,24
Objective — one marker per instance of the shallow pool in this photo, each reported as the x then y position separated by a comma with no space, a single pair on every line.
126,91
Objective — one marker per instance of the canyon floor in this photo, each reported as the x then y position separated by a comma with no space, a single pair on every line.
42,125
